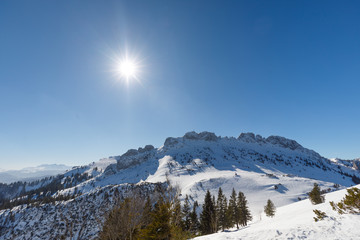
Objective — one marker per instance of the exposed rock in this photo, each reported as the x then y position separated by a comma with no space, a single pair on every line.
283,142
110,170
134,157
247,137
259,139
206,136
170,141
356,164
191,135
146,148
130,152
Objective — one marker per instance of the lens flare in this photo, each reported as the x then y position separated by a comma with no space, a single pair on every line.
126,66
128,69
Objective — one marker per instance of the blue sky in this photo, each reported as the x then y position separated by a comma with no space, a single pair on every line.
288,68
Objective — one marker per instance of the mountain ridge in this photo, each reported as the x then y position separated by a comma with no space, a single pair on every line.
274,167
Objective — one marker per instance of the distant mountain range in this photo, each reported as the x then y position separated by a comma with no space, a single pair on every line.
32,173
274,167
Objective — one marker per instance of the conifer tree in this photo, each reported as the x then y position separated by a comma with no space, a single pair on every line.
221,208
315,195
215,222
171,196
195,225
177,225
208,215
244,212
176,214
186,214
228,223
159,227
233,210
350,203
146,217
269,208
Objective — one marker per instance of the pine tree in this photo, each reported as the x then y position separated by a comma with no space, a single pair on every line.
228,223
208,215
176,214
319,215
177,225
350,203
315,195
269,208
221,208
159,227
146,217
244,212
186,214
195,225
215,222
233,210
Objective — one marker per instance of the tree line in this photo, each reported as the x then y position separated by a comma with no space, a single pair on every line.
161,216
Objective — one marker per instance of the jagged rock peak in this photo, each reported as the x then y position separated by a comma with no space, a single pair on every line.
207,136
275,140
133,152
251,137
244,137
170,141
283,142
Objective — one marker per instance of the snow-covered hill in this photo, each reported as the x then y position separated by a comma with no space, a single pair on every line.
78,218
295,221
262,168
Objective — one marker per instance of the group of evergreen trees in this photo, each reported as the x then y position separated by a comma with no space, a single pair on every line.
34,201
221,214
163,217
157,217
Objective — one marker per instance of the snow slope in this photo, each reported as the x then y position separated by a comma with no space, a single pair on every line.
295,221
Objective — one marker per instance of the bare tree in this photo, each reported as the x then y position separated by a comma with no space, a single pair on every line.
123,221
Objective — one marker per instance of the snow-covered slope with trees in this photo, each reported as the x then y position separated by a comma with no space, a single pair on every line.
78,218
262,168
296,221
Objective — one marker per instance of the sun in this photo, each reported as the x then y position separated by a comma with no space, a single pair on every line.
128,69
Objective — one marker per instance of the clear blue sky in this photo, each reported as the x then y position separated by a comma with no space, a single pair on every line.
289,68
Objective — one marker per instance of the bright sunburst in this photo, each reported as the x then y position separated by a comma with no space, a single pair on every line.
128,69
126,66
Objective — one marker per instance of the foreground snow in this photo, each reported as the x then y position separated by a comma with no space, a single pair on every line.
295,221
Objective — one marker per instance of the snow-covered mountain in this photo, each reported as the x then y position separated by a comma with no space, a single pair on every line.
32,173
273,167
